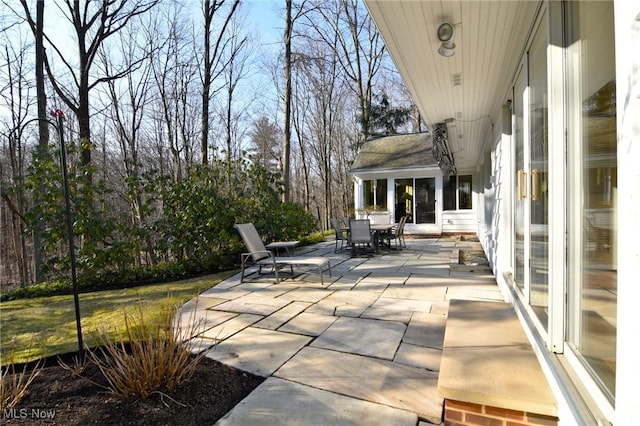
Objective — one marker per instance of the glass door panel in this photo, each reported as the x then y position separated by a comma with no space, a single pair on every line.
538,171
426,200
404,199
521,186
593,183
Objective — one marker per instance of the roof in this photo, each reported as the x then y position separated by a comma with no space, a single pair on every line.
412,151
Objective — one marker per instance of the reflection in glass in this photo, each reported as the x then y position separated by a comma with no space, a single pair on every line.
375,195
593,172
538,170
449,192
404,199
457,192
520,189
464,193
426,200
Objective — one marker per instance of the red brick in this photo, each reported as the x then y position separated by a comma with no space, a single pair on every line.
504,413
463,406
540,419
452,415
479,420
512,423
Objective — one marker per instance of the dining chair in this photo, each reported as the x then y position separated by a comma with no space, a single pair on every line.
341,234
396,234
360,235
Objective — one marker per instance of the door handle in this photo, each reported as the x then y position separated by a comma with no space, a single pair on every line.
522,185
535,185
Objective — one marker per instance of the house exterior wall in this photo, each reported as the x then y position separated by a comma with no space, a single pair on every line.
459,221
580,398
577,288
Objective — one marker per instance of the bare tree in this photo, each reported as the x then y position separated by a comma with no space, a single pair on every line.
236,59
93,23
43,127
286,145
359,48
211,63
299,115
127,102
174,75
326,100
18,101
290,19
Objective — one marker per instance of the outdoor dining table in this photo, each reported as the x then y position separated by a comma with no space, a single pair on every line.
379,229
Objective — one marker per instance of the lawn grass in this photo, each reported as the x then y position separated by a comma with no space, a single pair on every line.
40,327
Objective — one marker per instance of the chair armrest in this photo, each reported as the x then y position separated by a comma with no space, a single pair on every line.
261,255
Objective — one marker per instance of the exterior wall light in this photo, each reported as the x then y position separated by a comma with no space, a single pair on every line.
445,35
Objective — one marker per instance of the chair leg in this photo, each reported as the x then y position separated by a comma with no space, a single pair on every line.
243,262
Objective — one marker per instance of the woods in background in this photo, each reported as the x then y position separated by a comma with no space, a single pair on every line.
179,122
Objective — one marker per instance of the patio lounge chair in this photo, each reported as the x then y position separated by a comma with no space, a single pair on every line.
258,254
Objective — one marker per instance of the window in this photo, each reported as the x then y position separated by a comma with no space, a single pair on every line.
375,195
416,195
457,192
449,192
464,192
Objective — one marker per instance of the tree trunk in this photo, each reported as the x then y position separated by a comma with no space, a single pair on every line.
43,133
286,146
206,84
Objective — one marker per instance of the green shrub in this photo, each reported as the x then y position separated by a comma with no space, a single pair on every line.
127,277
285,222
314,238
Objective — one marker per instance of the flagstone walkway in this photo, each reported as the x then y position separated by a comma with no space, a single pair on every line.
362,349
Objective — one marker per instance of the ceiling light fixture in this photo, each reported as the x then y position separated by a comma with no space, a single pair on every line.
445,35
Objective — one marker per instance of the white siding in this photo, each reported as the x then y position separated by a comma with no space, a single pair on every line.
455,221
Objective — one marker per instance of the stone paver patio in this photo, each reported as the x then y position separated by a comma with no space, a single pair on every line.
364,348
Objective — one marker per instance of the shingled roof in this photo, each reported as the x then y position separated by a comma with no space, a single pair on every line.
387,153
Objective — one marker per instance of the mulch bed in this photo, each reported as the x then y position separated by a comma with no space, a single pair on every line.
56,397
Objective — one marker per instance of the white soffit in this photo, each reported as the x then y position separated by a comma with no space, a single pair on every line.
469,86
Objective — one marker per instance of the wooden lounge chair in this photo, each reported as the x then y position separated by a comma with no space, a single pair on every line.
258,254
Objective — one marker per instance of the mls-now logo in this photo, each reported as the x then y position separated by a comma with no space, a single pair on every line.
33,413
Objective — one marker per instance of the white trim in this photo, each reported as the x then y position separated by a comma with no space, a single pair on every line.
557,180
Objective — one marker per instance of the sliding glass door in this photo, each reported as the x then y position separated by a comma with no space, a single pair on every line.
539,173
593,177
416,198
531,198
